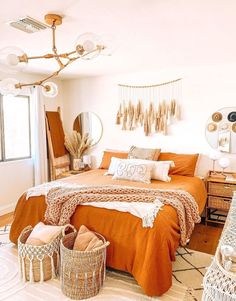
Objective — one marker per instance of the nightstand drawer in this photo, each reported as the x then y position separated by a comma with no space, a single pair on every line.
221,189
219,203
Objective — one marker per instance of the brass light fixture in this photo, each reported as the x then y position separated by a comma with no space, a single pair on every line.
88,46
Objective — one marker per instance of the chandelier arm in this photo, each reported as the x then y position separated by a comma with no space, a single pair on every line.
49,56
19,85
40,83
67,54
46,56
52,75
71,60
54,48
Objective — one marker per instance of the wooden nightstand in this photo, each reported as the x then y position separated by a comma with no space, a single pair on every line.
219,196
72,172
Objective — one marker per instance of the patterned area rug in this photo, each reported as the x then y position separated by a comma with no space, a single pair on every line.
188,271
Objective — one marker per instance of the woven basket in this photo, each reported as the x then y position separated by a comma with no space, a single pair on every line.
220,189
82,272
219,203
38,263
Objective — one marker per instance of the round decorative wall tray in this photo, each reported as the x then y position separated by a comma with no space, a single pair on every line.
221,130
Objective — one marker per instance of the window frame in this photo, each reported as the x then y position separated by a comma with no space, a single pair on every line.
2,131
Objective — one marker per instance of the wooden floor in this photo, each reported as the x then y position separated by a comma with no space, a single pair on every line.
6,219
204,238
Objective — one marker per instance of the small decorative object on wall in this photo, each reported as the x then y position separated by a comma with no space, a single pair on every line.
234,127
232,116
211,127
221,130
152,107
77,146
217,117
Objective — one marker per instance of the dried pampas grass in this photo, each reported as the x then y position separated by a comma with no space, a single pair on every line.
76,144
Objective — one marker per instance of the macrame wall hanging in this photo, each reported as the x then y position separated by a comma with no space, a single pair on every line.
152,107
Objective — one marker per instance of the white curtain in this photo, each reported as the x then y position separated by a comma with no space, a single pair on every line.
39,144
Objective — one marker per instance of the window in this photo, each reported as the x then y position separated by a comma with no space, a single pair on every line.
14,127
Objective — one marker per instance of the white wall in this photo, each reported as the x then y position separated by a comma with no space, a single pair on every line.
205,89
17,176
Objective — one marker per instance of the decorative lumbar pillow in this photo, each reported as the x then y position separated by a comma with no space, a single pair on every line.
133,171
86,240
185,164
159,171
143,153
107,155
43,234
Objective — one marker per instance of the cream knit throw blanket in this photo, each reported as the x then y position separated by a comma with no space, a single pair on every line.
62,202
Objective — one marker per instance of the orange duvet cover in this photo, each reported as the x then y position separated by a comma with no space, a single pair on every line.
144,252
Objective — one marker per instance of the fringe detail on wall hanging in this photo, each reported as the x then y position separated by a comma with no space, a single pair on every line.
152,107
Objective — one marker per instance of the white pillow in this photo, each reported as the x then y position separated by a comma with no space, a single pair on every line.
113,165
159,172
43,233
133,171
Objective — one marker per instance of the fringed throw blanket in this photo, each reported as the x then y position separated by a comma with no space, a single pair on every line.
62,202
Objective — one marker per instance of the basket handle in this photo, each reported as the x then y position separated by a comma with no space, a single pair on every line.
66,227
28,228
106,244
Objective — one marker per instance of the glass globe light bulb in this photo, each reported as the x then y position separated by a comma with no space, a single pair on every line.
215,155
224,163
8,86
50,89
12,59
88,41
9,60
89,45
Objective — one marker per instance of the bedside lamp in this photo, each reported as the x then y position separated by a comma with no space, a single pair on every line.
87,160
224,163
214,156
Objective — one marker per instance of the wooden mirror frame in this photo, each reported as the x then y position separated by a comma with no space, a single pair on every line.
76,125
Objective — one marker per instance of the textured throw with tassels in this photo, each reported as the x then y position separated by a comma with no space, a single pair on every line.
62,202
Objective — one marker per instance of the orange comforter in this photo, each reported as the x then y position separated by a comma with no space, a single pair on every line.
144,252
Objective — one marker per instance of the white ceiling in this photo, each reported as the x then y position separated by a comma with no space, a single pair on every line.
150,34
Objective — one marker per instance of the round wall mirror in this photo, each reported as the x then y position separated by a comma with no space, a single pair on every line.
221,130
88,122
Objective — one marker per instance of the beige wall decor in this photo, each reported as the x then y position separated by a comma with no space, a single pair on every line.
152,107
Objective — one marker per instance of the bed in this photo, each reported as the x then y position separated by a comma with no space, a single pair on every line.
146,253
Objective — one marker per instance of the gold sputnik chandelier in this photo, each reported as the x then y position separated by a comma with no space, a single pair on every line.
88,46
